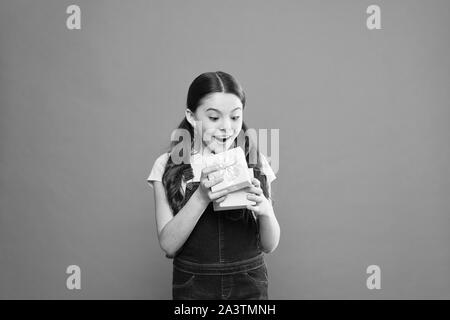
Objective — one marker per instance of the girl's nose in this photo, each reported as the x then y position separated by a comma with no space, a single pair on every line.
225,125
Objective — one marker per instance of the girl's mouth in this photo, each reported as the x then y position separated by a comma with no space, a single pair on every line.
222,139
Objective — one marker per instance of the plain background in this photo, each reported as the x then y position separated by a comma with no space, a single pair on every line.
363,115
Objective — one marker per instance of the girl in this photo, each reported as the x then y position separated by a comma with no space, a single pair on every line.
216,255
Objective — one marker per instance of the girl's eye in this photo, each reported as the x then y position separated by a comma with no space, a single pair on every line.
213,118
235,118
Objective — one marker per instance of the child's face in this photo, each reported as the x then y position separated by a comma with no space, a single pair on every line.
219,116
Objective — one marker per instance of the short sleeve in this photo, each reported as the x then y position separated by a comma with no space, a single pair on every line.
158,169
267,169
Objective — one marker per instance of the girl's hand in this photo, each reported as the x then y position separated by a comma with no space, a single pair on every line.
206,184
262,206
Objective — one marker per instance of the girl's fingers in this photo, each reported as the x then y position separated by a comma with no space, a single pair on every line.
219,194
221,199
209,183
253,197
253,208
256,182
208,170
255,190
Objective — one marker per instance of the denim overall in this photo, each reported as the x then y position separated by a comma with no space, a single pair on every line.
221,258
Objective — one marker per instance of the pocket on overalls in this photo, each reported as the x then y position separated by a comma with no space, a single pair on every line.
257,284
182,279
258,275
182,284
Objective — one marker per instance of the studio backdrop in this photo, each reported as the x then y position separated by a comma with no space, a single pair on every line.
360,96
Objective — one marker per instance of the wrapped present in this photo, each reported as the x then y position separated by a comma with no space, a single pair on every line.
235,200
234,170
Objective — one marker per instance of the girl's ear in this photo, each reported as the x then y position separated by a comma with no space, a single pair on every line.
190,117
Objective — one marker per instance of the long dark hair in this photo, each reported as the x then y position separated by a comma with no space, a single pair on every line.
204,84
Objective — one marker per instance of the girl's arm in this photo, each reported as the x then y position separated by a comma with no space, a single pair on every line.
269,229
173,231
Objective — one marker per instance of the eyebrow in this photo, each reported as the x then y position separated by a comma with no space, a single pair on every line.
219,110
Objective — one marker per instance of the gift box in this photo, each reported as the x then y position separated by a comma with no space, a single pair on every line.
235,200
234,170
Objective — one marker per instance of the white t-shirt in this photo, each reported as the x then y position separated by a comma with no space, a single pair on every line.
160,164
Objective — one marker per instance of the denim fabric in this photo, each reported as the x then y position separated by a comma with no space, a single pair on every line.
245,280
221,258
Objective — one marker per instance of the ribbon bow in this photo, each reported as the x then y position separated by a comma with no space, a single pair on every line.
229,172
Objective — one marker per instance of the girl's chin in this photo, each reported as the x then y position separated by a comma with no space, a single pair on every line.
218,147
